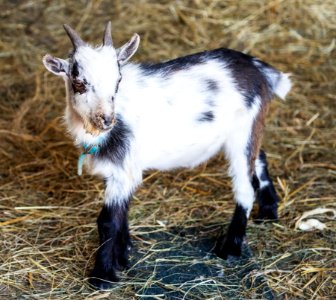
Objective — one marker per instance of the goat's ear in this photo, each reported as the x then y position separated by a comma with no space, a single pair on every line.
56,65
126,51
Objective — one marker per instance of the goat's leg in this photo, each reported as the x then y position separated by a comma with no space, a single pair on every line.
231,244
114,245
113,231
266,195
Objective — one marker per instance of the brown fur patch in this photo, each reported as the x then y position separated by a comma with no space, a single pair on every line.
89,128
258,128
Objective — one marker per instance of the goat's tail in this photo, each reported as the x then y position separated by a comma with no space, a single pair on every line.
279,82
282,85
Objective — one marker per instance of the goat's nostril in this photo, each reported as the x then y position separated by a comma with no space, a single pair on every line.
107,120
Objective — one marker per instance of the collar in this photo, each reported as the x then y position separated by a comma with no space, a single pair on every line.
87,149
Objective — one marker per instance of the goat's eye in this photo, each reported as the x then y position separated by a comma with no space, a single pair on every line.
79,86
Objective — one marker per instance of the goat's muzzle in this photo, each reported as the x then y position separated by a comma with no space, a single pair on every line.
100,123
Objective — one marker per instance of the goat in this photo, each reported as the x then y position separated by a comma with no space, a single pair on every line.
131,117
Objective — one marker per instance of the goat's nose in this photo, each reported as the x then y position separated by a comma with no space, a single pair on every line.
107,120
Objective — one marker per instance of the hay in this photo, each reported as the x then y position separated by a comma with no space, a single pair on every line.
47,213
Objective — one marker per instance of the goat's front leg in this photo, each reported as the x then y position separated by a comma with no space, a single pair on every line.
114,238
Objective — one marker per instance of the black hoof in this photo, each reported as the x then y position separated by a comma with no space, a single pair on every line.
267,213
226,249
123,264
122,252
102,280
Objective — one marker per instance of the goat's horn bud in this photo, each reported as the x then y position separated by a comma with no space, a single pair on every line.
74,37
107,41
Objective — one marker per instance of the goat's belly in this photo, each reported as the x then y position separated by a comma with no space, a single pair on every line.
182,160
181,153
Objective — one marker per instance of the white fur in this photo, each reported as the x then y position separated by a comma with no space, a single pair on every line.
235,150
283,86
163,115
260,168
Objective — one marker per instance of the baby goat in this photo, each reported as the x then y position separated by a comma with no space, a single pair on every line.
131,117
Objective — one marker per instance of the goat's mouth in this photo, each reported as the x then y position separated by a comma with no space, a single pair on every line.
96,128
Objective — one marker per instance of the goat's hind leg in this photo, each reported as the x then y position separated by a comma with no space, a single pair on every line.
231,244
266,195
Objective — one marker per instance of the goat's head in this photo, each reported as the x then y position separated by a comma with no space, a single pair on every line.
92,76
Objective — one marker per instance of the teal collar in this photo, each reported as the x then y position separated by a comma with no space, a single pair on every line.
92,149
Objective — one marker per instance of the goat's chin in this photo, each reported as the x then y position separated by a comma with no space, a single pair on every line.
94,131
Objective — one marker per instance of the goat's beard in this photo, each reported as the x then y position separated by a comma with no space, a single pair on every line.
75,120
89,128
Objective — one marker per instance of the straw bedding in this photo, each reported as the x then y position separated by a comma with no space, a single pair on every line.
47,213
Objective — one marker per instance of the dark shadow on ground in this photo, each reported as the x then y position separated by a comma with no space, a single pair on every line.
179,264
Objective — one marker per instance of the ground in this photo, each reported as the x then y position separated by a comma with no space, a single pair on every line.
48,213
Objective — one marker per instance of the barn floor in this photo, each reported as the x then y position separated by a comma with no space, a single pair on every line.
48,234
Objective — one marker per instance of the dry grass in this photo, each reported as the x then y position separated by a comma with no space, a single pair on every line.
47,213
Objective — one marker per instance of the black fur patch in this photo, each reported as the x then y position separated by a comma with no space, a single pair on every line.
249,79
267,197
206,117
232,243
183,63
114,238
173,66
211,85
117,143
75,70
255,182
268,203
